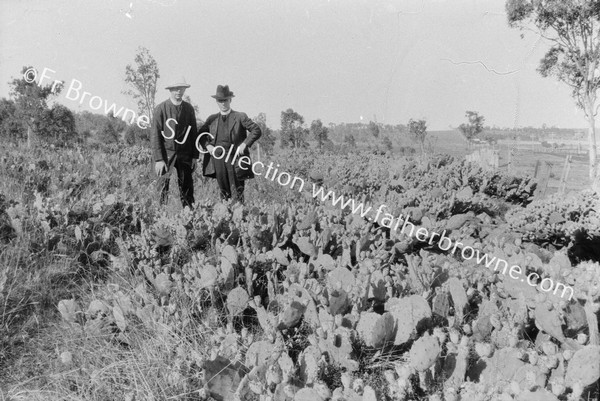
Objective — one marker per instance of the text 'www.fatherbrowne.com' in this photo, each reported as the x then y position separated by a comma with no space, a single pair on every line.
467,252
443,242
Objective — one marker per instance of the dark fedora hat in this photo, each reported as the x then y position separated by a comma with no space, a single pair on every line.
223,92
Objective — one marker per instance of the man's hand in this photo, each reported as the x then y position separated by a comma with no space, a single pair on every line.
160,168
240,150
211,150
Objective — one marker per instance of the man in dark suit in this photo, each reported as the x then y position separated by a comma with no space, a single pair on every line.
226,138
172,138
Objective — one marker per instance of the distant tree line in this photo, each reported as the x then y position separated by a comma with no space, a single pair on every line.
26,115
295,133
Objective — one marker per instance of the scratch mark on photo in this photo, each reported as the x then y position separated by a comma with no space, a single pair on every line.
164,3
413,12
482,64
493,14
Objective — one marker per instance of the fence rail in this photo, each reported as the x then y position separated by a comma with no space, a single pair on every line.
520,149
487,158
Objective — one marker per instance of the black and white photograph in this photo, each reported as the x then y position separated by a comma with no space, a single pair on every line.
299,200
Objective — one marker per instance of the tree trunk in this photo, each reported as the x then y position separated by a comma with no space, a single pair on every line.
592,321
596,184
592,139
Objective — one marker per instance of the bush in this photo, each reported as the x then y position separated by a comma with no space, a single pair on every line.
407,150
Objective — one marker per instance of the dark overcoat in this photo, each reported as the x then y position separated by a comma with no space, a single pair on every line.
170,138
241,130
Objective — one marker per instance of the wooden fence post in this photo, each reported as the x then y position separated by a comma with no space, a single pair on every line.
564,175
542,179
596,184
495,159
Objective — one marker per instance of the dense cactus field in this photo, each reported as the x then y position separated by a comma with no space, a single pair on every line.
290,297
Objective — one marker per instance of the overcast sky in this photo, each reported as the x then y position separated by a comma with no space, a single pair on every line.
334,60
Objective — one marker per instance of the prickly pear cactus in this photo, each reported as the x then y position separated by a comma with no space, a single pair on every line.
222,377
549,321
375,329
584,366
237,300
259,353
424,352
69,310
459,297
342,278
408,313
291,315
339,302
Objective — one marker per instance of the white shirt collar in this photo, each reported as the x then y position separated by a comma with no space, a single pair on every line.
225,113
176,104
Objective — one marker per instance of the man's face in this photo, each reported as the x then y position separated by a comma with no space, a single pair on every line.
224,104
177,93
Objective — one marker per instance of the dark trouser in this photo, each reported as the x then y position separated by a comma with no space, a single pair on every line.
227,179
183,165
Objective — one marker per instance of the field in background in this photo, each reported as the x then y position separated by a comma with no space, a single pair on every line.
454,144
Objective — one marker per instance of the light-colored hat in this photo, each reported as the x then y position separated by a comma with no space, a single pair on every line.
181,83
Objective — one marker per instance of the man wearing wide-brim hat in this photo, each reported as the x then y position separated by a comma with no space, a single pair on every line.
226,138
173,142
